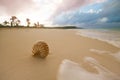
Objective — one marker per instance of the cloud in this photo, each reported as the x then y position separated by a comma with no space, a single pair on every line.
67,5
103,20
13,6
106,15
78,17
92,11
112,11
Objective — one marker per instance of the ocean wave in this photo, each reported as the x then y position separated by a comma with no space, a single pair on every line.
115,55
70,70
109,36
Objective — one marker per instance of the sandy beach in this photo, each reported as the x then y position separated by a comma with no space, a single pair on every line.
17,62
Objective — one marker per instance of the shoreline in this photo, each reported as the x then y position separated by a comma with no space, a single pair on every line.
17,62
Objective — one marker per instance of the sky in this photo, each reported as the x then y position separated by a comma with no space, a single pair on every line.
82,13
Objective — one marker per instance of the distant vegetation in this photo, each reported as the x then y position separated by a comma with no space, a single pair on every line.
63,27
14,22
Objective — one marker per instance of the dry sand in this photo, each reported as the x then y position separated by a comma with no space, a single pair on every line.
17,62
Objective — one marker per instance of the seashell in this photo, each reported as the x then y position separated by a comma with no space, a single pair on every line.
40,49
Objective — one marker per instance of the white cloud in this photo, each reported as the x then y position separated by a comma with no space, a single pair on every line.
94,11
103,20
68,5
36,10
99,1
91,11
14,6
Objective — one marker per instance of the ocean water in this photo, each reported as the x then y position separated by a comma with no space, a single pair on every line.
70,70
111,36
115,55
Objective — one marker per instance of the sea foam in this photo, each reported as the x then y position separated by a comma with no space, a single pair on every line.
70,70
109,36
115,55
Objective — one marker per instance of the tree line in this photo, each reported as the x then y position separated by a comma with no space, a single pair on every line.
15,22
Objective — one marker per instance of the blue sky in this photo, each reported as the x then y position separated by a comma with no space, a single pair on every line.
82,13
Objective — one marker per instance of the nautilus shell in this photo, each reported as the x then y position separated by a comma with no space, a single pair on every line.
40,49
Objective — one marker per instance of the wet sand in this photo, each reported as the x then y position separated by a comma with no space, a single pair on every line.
17,62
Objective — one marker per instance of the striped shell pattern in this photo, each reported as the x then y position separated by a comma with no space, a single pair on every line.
40,49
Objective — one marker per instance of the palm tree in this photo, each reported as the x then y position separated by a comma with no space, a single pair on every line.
5,23
18,22
35,25
28,22
13,18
